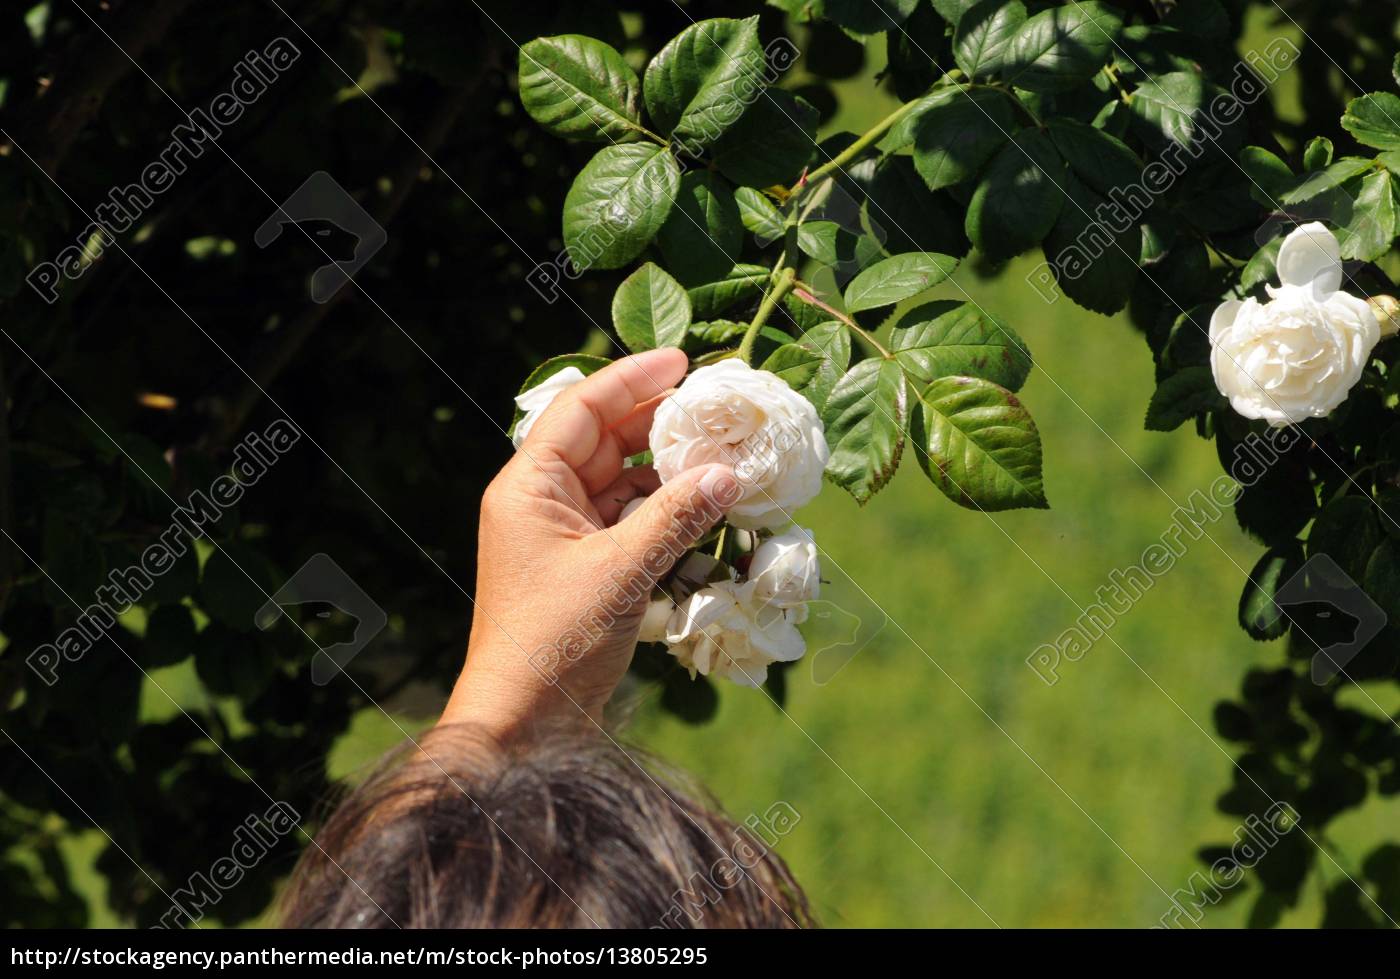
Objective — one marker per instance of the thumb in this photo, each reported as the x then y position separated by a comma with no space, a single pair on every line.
676,516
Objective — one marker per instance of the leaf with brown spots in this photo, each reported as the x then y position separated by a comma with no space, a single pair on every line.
978,444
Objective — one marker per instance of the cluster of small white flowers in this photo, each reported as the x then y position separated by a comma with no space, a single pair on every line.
719,623
727,624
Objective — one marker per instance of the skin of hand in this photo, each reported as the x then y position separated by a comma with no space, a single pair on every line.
561,582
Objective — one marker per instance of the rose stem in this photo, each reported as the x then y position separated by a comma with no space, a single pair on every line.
781,287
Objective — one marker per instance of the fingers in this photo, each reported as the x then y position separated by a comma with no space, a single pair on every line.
573,426
634,431
628,437
673,519
630,484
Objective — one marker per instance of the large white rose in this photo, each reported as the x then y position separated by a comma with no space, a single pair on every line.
721,631
785,570
1298,355
751,420
534,401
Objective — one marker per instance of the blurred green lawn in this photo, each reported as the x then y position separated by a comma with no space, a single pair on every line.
935,772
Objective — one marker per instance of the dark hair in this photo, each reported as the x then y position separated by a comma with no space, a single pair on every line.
563,830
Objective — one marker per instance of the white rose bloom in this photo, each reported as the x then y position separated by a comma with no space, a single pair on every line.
1298,355
534,401
655,620
751,420
719,631
785,570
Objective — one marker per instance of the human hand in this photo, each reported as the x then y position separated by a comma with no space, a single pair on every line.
561,582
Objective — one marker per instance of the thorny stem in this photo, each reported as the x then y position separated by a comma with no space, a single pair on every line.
804,293
781,286
854,150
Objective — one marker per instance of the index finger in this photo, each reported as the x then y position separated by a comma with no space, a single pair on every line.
573,425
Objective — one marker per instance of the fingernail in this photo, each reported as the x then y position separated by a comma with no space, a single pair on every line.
720,487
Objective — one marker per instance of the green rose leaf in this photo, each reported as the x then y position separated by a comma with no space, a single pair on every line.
773,141
1102,161
983,38
1062,47
717,332
815,362
1169,107
759,214
618,203
1374,223
1019,197
703,234
795,365
1263,267
650,309
888,282
865,418
701,82
741,283
1374,120
1260,616
580,88
978,445
942,339
952,140
1269,176
830,244
1318,182
869,16
1318,153
1094,264
952,10
1182,396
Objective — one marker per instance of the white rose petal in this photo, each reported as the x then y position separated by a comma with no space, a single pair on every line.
720,631
785,570
1298,355
655,620
751,420
534,401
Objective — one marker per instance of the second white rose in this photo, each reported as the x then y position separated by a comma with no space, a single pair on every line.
786,570
1298,355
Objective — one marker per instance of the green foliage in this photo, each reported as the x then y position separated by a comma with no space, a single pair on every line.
650,309
580,88
618,203
978,444
865,419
